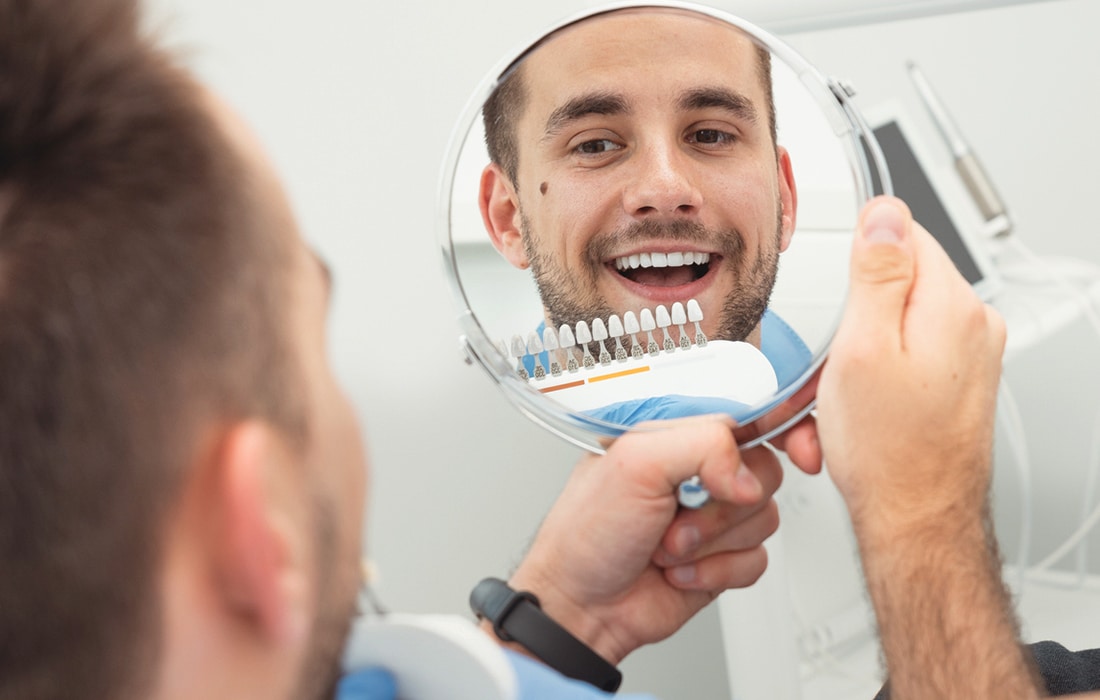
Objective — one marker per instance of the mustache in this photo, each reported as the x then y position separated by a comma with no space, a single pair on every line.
729,243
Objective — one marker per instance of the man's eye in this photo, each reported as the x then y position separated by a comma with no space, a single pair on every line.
711,136
597,147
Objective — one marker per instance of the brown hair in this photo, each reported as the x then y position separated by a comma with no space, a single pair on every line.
504,108
140,294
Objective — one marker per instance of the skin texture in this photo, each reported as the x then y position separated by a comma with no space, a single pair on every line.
642,169
618,593
905,419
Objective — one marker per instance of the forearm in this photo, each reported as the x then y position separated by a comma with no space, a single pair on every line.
946,622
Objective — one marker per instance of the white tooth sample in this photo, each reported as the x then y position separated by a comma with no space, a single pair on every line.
659,259
663,319
695,315
663,322
599,330
584,337
534,347
630,322
702,258
679,317
550,342
534,343
634,261
614,326
689,258
695,312
618,263
583,334
649,325
675,259
519,348
645,260
549,339
566,341
565,336
599,333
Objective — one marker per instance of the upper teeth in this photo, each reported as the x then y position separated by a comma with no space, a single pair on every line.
633,262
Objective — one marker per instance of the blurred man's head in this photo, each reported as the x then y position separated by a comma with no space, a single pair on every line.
635,164
182,479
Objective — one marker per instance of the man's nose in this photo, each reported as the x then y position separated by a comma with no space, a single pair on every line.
661,184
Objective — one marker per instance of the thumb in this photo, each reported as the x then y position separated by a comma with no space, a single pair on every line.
883,268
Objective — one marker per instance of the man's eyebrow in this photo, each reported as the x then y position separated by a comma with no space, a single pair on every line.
720,97
584,105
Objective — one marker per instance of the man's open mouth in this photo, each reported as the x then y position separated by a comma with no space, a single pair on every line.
664,269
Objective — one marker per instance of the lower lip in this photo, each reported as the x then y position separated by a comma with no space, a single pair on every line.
668,295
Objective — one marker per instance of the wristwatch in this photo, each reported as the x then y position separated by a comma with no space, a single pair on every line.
517,617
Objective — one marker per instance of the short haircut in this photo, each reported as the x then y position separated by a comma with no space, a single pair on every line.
505,105
141,290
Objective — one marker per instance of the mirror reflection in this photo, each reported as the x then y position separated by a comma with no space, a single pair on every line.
653,217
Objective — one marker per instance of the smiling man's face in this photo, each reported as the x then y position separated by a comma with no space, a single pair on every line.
646,172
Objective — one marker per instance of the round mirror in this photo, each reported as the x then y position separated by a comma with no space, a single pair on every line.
647,214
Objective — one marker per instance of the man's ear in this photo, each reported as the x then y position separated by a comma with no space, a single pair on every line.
258,535
499,206
788,197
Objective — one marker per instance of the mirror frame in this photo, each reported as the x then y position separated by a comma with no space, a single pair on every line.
835,99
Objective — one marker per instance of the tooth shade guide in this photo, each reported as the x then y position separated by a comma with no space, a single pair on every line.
561,344
746,378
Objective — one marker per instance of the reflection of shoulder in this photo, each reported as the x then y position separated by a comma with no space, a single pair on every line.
784,349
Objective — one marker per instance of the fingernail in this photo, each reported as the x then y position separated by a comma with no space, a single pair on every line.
884,222
687,540
683,574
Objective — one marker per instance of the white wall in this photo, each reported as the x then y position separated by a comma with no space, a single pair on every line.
356,102
1021,83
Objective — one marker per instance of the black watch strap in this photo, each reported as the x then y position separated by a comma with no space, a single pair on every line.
518,617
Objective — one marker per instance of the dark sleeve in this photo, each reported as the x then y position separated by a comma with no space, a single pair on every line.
1064,672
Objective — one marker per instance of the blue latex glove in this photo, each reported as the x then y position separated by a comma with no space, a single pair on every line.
367,684
538,682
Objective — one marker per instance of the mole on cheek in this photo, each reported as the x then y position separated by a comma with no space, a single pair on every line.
543,187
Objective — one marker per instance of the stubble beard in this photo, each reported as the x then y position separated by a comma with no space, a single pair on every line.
335,605
569,298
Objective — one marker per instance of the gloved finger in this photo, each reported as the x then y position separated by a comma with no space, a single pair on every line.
367,684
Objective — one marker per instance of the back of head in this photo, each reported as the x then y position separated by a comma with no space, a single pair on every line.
139,300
